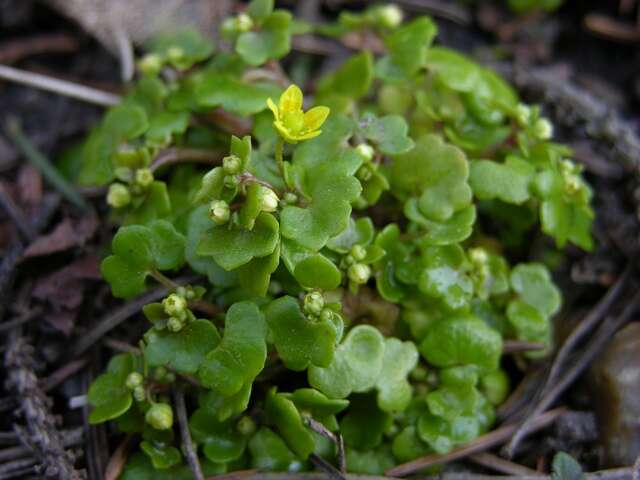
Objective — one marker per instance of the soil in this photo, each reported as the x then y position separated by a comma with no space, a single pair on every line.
55,310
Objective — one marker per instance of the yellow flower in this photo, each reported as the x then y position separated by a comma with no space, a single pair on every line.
291,122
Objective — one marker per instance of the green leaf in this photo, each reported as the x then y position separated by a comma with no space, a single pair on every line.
533,283
136,251
221,442
323,169
241,354
407,445
370,462
310,269
508,182
444,277
356,364
232,247
271,41
139,467
260,9
453,69
222,406
388,133
300,342
565,467
529,323
255,276
162,456
193,47
442,436
407,47
108,394
452,401
565,221
358,232
439,177
319,406
352,79
364,424
270,453
197,225
455,230
163,125
183,350
156,205
462,340
282,412
394,391
214,89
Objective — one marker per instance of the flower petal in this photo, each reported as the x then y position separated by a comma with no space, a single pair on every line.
309,135
273,107
291,100
284,132
314,118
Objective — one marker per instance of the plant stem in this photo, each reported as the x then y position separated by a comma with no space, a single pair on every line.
38,160
172,156
279,155
163,280
187,444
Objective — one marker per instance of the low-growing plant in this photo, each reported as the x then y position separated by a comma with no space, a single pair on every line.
349,245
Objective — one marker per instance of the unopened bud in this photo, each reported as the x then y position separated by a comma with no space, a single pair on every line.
144,177
364,173
290,198
139,393
523,114
231,181
134,379
160,416
366,151
231,164
244,23
389,16
326,315
269,200
175,53
478,256
219,212
150,64
313,303
175,306
124,174
358,252
543,130
246,426
118,195
359,273
174,324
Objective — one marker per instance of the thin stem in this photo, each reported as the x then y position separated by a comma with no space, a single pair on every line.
187,443
172,156
62,87
279,155
163,280
38,160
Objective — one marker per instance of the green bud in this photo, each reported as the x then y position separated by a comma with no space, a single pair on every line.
231,181
523,114
349,260
230,27
359,273
118,195
326,315
175,324
392,430
571,184
366,151
139,393
269,200
358,252
175,306
160,416
246,426
389,16
160,373
150,64
134,379
124,174
144,177
244,23
543,130
175,53
231,164
290,198
364,173
478,256
313,303
219,212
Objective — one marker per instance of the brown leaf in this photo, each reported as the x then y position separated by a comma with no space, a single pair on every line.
29,188
65,235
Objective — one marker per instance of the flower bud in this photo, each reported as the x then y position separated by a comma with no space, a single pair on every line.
244,23
523,114
359,273
174,324
160,416
175,306
124,174
571,184
246,426
118,195
160,373
366,151
150,64
134,379
231,164
313,303
144,177
219,212
389,16
364,173
478,256
290,198
326,315
231,181
139,393
175,53
543,130
358,252
268,200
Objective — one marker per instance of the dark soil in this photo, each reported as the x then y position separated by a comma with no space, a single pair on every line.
53,303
